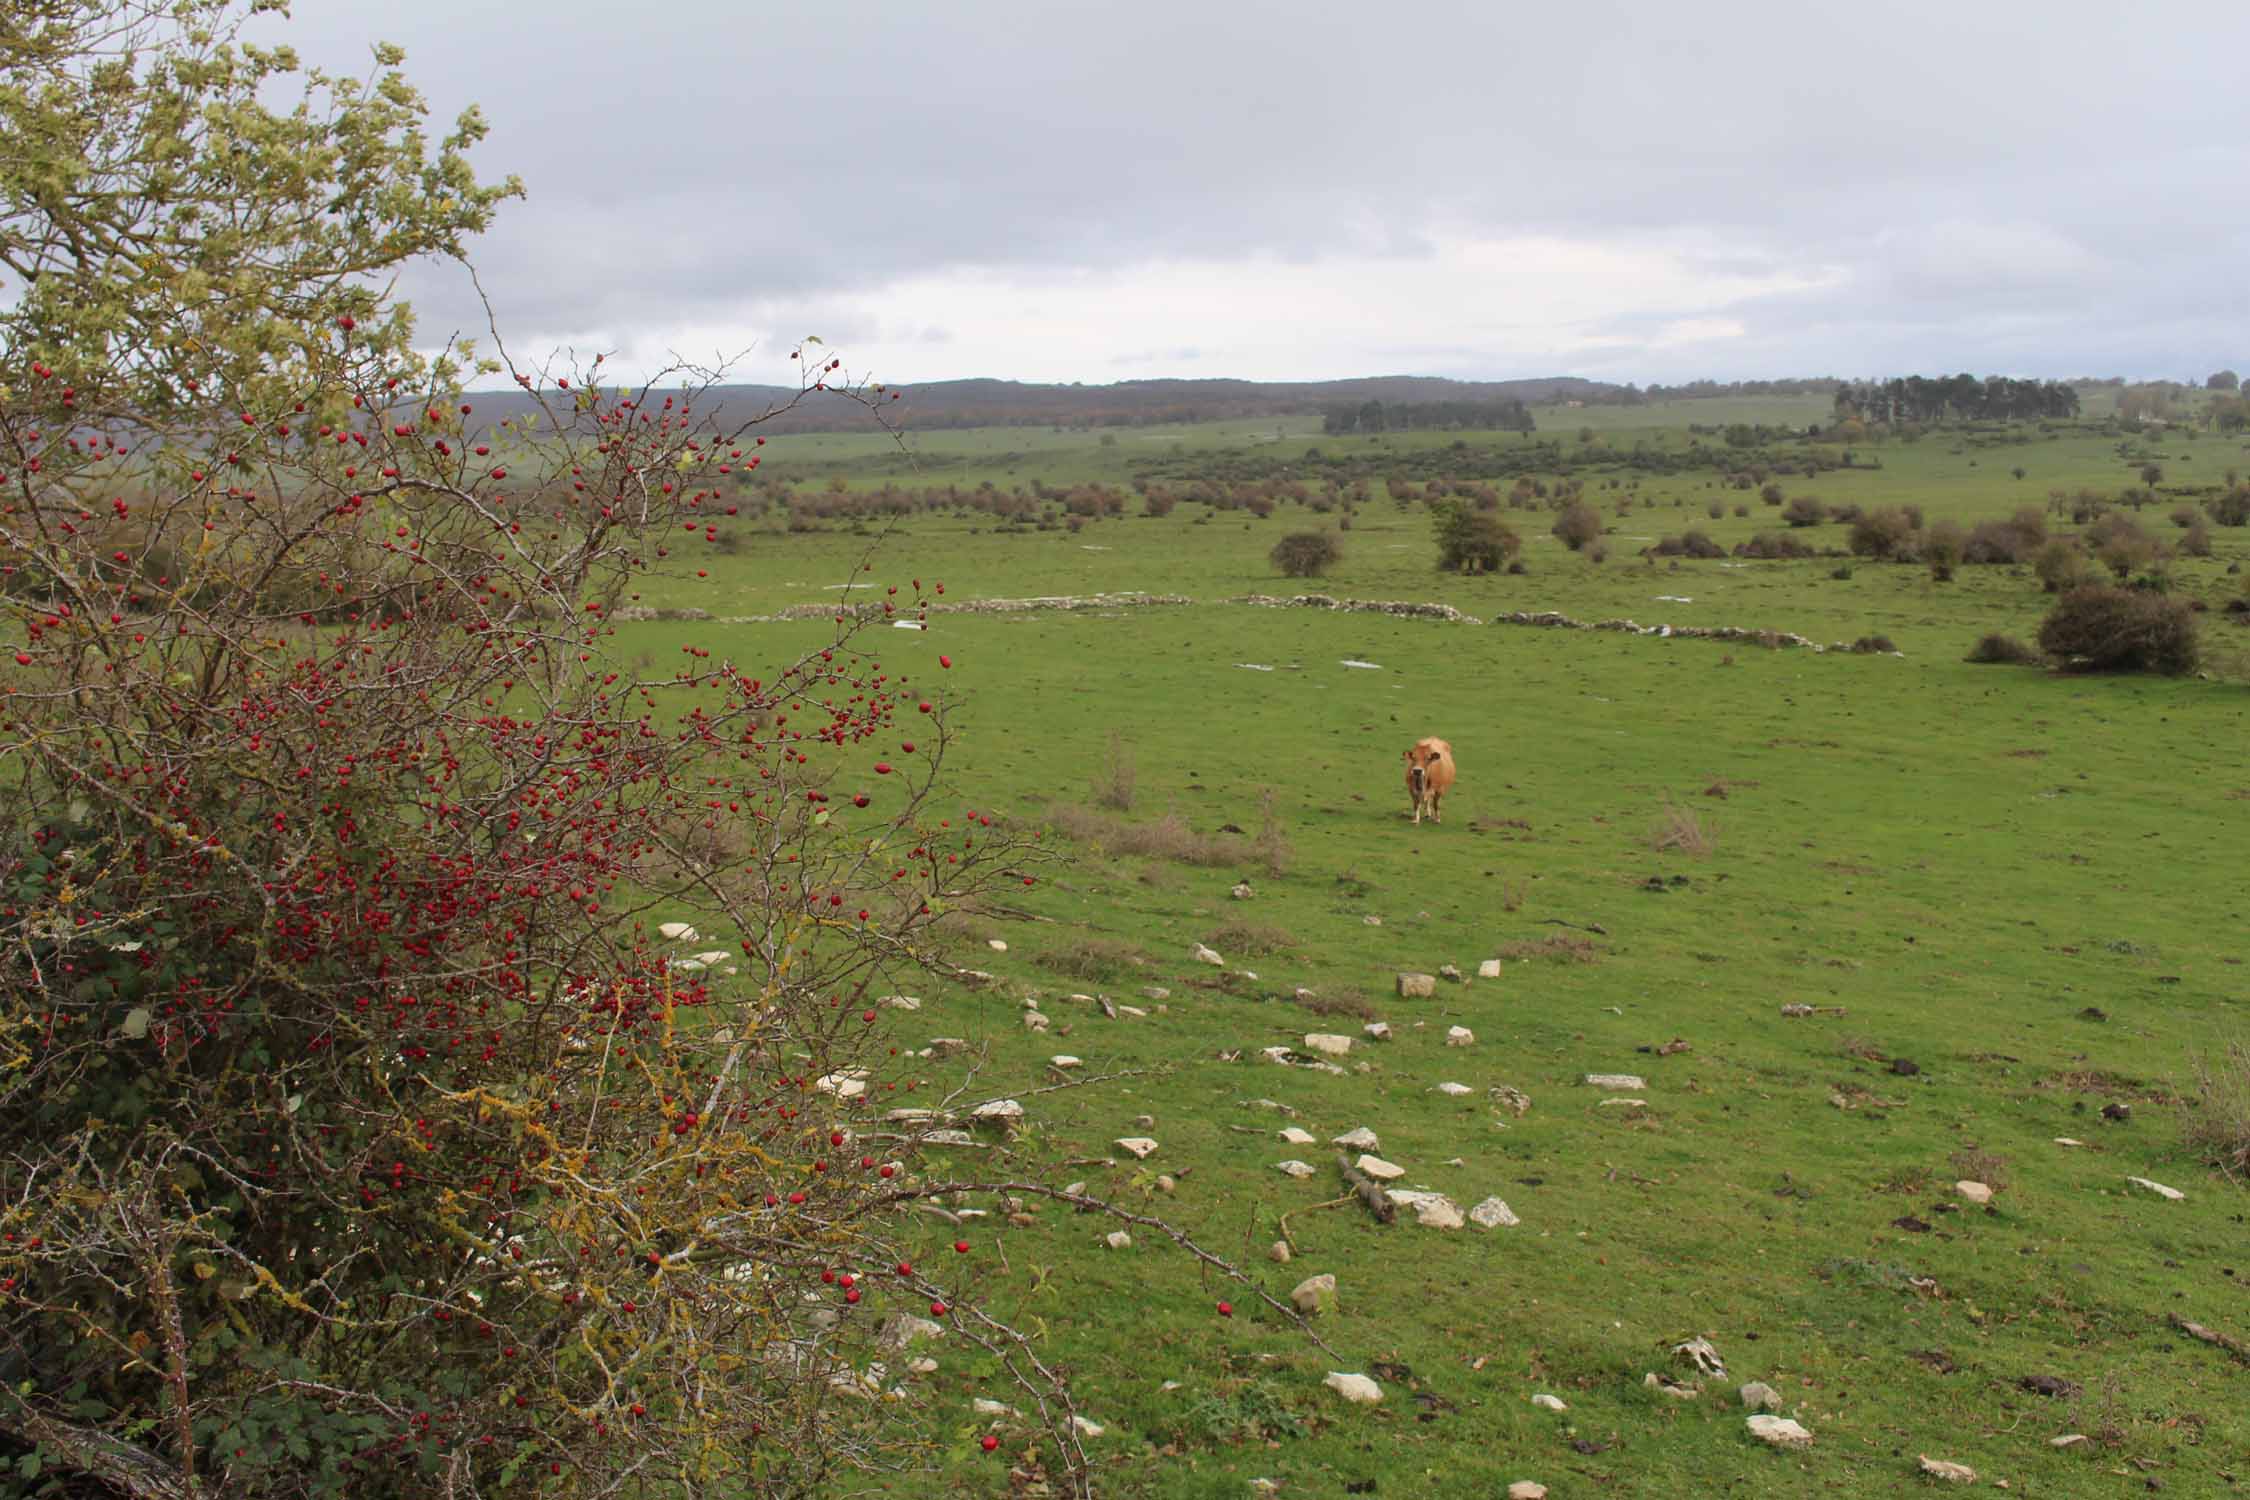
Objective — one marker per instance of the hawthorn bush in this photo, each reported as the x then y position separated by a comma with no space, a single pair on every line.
437,1057
2099,629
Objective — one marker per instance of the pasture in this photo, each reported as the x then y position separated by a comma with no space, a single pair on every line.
2010,898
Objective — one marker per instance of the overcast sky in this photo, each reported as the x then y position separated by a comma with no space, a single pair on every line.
1066,191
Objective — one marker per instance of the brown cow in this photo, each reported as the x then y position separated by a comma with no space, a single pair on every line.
1429,776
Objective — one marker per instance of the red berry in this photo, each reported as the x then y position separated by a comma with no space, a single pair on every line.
945,661
990,1442
960,1247
1226,1309
937,1309
904,1268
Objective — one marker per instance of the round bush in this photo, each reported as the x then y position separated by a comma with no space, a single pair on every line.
1305,554
2121,630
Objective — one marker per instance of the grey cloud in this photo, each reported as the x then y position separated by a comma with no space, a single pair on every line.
692,164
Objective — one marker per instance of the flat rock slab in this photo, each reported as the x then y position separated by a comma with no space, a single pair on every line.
1315,1294
2157,1188
1378,1030
1546,1402
1759,1396
1454,1090
1976,1192
1359,1138
1357,1389
1527,1489
1140,1145
1459,1036
1432,1210
1417,986
1951,1473
1204,955
1779,1431
1328,1044
1489,969
1296,1137
1492,1213
1379,1169
1625,1082
1292,1169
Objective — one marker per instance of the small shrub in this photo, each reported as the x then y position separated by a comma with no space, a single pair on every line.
2231,508
1874,645
1995,649
1716,510
1840,572
1271,845
1168,837
1696,543
2062,565
2015,540
1474,541
1885,533
1942,546
1974,1165
2184,516
1771,494
1776,544
1577,525
2121,545
1741,511
1305,554
2215,1119
1596,552
1323,1004
2121,630
2196,541
1804,511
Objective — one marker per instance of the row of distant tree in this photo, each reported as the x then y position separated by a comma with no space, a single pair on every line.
1942,398
1507,415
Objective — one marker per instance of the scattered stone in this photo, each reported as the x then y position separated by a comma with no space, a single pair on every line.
1359,1138
1951,1473
1703,1355
1431,1210
900,1002
1454,1090
1297,1137
1378,1030
1167,1183
1976,1192
1034,1020
1279,1254
901,1329
923,1366
1459,1036
1118,1239
2070,1440
1673,1048
1527,1489
1759,1396
1779,1431
1379,1169
677,932
1627,1082
1281,1055
1304,995
1156,992
989,1408
2158,1188
1493,1213
1328,1044
1205,955
1514,1100
2064,1140
1140,1145
1085,1427
946,1046
1242,891
1006,1112
1263,1488
1624,1104
843,1085
1450,974
1796,1008
1315,1294
1292,1168
948,1138
1678,1390
1065,1061
1546,1402
1357,1389
1372,921
1144,1122
1417,986
975,979
1132,1012
996,945
1489,969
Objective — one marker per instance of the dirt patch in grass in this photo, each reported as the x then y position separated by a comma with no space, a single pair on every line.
1563,946
1342,1003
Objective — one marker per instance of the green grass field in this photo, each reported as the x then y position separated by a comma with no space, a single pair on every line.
2027,886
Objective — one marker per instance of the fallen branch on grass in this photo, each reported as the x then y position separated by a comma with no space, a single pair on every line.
2212,1336
1370,1192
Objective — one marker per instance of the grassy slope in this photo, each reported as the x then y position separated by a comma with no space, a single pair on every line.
1964,858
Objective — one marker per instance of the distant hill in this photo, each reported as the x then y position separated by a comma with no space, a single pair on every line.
1128,403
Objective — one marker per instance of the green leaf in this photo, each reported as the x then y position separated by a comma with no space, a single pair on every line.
136,1023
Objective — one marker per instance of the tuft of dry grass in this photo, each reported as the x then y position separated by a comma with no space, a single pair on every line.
1092,958
1973,1164
2215,1118
1513,890
1252,939
1168,837
1682,828
1356,1006
1271,844
1114,788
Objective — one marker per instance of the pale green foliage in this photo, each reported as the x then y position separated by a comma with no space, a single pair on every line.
160,223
